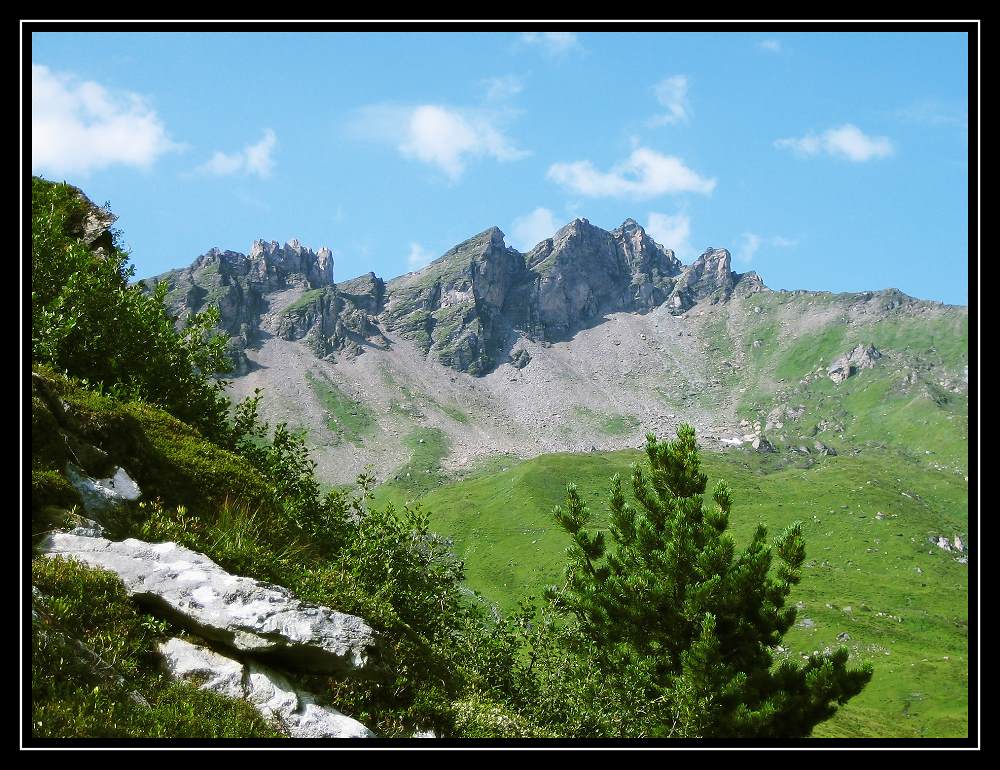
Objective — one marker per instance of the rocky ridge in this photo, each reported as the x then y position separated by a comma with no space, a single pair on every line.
466,310
244,287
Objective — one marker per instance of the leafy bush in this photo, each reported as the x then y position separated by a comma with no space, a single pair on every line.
87,320
50,488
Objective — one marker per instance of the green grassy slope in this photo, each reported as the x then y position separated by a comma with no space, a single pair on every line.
913,400
902,601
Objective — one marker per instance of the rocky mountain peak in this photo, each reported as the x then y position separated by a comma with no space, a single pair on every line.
642,254
270,262
715,262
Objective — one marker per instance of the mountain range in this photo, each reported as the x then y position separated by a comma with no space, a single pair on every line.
587,341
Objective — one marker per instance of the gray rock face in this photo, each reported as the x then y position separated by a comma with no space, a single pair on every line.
207,669
270,692
454,309
238,612
331,321
103,496
464,307
861,357
710,276
945,544
584,272
270,264
238,285
93,225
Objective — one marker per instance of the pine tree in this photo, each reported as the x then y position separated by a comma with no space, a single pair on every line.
673,598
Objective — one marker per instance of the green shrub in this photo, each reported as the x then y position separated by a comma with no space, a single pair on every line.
87,320
48,487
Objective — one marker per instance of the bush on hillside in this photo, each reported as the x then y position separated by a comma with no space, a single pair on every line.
87,320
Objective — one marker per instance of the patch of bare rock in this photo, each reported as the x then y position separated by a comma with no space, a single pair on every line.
265,630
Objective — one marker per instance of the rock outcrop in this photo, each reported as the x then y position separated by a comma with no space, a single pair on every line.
103,496
332,320
466,307
454,309
241,613
239,285
269,691
861,357
583,272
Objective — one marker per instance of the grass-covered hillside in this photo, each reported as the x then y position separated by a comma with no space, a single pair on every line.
870,571
914,400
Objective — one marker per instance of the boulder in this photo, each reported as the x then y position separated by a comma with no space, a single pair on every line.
761,444
861,357
103,496
237,612
270,692
823,449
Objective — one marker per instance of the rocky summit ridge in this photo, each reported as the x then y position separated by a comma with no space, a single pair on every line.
466,310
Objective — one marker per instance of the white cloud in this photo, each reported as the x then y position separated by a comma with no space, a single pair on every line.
418,257
503,87
554,43
439,136
671,231
847,141
531,229
78,126
747,247
672,93
750,243
645,174
254,159
771,46
933,112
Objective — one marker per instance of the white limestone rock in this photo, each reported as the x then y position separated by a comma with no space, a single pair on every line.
238,612
103,496
269,691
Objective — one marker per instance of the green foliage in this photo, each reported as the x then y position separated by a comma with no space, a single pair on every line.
48,487
673,599
87,320
902,602
413,577
233,488
308,298
94,667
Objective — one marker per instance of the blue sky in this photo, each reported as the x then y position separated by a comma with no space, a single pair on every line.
827,161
